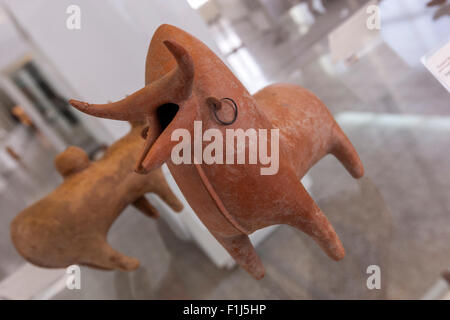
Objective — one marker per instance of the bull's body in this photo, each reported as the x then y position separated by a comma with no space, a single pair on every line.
307,133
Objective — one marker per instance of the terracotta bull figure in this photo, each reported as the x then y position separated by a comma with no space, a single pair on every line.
185,83
70,225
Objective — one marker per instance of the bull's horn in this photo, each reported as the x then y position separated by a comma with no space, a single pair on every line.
174,87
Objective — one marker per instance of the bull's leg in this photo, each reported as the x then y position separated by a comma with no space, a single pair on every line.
162,189
343,150
243,252
304,214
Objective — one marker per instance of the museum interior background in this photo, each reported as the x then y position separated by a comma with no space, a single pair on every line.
395,112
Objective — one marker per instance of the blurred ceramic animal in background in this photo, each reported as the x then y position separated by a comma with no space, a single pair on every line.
70,225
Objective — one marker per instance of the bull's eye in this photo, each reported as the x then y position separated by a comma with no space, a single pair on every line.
166,113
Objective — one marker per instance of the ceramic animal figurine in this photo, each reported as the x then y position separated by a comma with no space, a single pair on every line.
186,82
70,225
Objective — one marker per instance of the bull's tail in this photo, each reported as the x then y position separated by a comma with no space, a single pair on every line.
344,151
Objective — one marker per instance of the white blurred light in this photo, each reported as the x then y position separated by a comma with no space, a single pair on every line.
301,15
195,4
226,38
247,70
